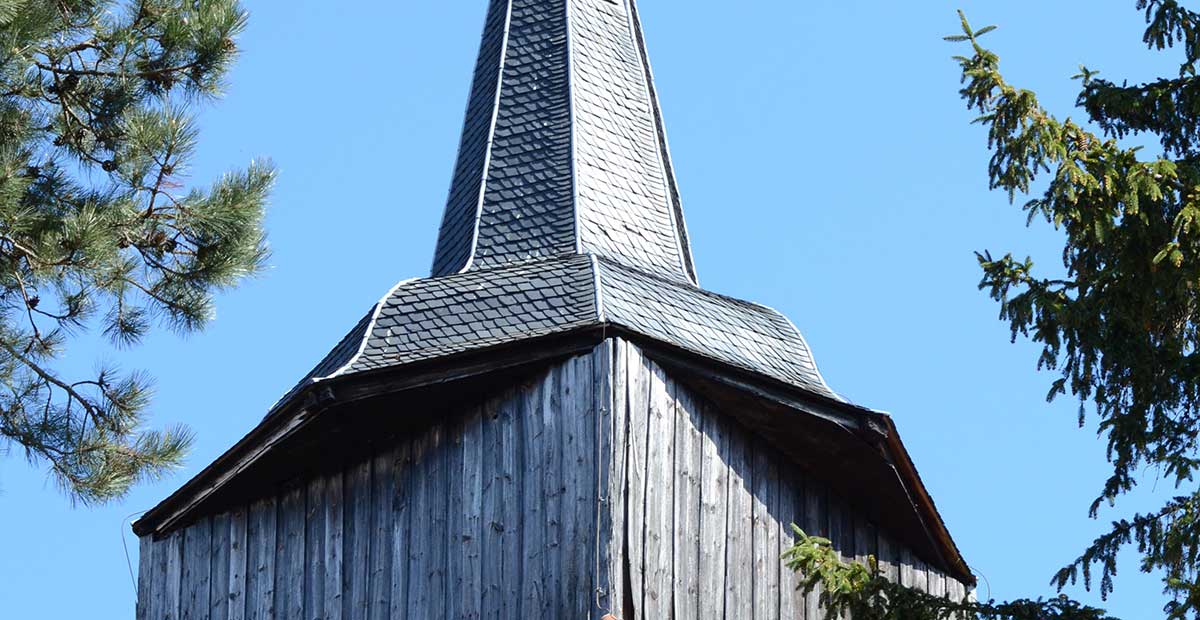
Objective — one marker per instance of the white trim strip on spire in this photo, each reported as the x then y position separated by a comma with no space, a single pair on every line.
491,135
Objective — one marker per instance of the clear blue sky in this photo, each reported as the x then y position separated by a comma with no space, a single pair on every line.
827,169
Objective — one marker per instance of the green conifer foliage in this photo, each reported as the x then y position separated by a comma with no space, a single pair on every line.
98,228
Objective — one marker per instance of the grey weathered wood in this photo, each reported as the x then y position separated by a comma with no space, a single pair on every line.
427,570
197,571
553,488
335,532
739,586
766,533
816,523
714,502
405,473
158,587
636,459
471,534
889,562
145,583
533,594
173,594
438,523
512,417
611,395
218,593
688,455
314,549
921,575
379,587
579,499
289,557
492,510
419,561
260,562
660,478
454,518
600,467
791,512
357,541
238,567
905,561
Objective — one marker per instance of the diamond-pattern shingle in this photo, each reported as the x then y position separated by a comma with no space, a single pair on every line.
563,149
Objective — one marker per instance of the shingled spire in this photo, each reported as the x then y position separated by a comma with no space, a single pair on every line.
563,150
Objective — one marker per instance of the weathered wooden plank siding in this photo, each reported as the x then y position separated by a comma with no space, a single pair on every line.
731,531
600,486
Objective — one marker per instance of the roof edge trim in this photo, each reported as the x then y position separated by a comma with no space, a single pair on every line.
367,333
487,153
678,222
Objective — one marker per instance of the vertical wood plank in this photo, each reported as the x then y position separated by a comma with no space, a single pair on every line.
419,567
714,502
218,594
816,523
554,489
238,566
437,504
739,589
688,455
174,588
611,401
427,549
314,549
197,570
636,460
765,533
579,500
920,575
471,534
454,518
260,562
533,539
512,570
334,546
791,512
492,570
289,559
888,560
905,560
379,588
937,582
660,478
405,473
357,537
145,576
158,588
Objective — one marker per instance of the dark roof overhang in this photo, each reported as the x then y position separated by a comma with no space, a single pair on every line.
857,450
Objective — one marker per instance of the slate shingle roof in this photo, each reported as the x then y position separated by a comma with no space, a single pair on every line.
564,214
563,148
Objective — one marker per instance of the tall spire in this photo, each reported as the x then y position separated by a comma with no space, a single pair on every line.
563,150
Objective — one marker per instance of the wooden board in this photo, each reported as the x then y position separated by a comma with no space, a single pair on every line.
687,508
714,502
197,571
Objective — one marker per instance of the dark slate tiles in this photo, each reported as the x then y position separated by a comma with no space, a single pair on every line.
570,156
528,202
735,332
436,317
458,222
625,212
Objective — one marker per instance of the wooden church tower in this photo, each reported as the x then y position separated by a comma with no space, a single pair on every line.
558,422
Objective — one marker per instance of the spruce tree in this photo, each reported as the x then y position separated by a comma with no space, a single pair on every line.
1121,329
98,226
